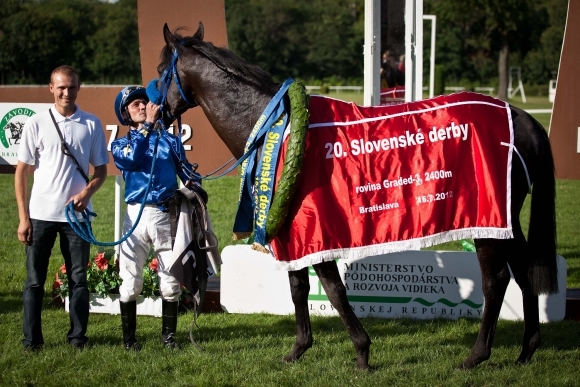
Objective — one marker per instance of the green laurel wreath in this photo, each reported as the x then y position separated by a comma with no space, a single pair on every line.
292,162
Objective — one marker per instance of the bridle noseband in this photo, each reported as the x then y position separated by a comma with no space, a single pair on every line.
159,97
169,74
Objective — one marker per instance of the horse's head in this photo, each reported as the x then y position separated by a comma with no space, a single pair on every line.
193,71
170,90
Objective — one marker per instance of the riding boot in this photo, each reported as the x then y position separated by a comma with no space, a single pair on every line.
129,323
169,321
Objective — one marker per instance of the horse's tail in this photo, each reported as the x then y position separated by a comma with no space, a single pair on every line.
542,229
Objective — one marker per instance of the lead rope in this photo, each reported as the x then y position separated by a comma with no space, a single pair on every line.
219,169
84,229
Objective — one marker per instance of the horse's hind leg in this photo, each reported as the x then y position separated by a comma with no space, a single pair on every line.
495,279
299,288
519,265
331,282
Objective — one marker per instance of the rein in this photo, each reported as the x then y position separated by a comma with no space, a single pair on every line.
166,78
159,95
84,229
267,132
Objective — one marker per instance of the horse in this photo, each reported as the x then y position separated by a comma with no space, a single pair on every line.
232,93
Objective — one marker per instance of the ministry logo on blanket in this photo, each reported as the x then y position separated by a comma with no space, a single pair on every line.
390,178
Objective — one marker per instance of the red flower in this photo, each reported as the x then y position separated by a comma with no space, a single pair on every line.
63,269
101,262
153,264
56,283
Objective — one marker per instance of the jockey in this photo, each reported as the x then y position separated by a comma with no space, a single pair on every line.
134,154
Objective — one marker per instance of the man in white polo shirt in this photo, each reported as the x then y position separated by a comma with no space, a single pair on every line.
58,180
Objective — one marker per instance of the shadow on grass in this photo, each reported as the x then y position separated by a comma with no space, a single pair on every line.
12,302
261,329
555,335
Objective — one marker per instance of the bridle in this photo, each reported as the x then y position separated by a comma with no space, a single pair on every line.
169,74
159,96
83,229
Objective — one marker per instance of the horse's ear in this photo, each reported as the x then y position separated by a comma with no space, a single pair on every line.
199,33
168,36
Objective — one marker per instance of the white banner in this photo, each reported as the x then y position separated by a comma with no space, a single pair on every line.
417,284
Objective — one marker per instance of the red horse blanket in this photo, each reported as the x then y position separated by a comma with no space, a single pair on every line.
390,178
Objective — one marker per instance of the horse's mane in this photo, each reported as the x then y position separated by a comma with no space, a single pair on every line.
223,58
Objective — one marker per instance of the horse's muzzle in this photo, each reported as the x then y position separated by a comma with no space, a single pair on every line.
166,117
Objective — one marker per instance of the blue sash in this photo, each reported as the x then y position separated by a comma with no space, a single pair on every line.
257,181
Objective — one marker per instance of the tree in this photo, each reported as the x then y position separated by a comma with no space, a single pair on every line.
508,25
7,55
298,38
99,39
542,62
115,45
472,35
465,55
41,35
305,39
335,38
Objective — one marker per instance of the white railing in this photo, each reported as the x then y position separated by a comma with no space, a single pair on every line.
539,111
337,89
454,88
489,90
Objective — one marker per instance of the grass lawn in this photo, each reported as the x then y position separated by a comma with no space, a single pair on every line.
246,350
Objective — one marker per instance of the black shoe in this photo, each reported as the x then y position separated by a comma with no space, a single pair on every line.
133,346
170,342
33,347
129,325
78,345
169,324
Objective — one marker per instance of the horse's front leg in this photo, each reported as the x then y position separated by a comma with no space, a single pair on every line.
495,277
332,283
299,288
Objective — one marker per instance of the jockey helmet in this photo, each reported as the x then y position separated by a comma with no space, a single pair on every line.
123,99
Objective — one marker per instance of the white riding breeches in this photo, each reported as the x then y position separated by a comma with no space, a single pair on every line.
153,230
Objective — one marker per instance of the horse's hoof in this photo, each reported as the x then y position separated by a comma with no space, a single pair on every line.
364,367
525,357
465,366
289,359
523,361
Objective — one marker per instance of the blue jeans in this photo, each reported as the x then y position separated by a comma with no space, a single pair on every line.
76,257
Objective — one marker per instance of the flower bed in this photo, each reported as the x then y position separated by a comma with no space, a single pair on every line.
150,306
103,281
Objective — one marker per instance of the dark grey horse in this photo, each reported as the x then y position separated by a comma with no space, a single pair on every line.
233,94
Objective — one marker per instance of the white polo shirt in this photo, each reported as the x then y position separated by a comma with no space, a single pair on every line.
56,178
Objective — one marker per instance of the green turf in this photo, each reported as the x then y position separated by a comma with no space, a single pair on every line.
246,350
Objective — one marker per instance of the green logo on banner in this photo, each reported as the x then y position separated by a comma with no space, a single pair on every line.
15,127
